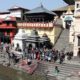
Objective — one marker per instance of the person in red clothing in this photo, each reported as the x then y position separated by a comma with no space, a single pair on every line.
38,56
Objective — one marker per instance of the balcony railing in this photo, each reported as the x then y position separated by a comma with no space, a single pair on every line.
34,25
7,26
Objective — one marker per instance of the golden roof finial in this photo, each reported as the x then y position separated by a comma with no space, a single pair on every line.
69,10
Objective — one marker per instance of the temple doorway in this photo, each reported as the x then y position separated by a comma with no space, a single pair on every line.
68,20
30,46
68,24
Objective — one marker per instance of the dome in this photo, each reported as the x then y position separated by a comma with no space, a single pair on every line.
68,19
70,2
21,34
44,35
34,33
44,38
34,37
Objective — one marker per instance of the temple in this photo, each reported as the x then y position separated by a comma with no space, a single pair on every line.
8,23
8,29
43,22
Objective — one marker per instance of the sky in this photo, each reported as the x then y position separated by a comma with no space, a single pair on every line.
30,4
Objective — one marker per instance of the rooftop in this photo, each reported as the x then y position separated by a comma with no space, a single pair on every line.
5,12
40,9
65,8
70,2
17,8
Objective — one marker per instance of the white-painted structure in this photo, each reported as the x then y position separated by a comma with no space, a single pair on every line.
3,16
19,39
15,11
67,16
77,27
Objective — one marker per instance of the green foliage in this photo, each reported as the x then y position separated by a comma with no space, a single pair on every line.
70,2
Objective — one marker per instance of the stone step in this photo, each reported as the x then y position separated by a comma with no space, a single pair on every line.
65,70
63,41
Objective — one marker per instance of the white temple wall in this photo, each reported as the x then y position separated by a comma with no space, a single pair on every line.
15,42
72,32
15,13
71,35
75,45
77,32
12,13
77,6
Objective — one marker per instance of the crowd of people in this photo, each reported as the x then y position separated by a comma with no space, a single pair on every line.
40,54
48,54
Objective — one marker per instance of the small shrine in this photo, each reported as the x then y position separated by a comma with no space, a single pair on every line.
45,41
19,40
33,39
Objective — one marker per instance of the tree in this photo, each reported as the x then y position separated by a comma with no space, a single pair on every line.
70,2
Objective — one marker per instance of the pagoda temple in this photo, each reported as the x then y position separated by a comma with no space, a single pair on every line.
8,29
8,19
43,21
35,41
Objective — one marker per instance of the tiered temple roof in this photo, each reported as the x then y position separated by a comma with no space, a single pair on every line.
44,38
34,37
40,9
70,2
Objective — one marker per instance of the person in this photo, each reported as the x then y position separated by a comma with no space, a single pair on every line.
2,45
57,69
49,58
29,61
62,57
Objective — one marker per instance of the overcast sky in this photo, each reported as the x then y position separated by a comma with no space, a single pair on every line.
30,4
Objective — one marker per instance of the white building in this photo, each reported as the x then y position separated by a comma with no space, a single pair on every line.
77,27
15,11
19,39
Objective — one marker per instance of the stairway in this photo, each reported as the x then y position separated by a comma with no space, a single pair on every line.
66,71
63,42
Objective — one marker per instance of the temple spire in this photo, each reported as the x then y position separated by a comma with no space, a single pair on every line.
69,10
41,3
